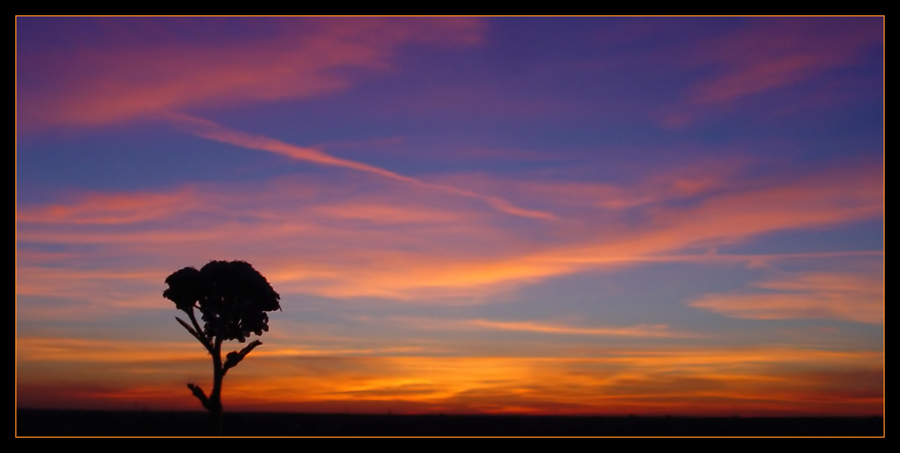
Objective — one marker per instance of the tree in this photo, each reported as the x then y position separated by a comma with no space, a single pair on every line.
233,299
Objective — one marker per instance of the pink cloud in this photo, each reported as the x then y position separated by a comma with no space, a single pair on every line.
767,55
777,53
389,241
113,209
638,331
849,295
213,131
95,86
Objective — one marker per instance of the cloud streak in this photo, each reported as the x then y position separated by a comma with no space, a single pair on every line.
767,56
213,131
640,331
773,54
850,296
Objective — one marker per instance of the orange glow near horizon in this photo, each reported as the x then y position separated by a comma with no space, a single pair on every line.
491,215
701,382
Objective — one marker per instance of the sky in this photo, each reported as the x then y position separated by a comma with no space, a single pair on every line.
474,215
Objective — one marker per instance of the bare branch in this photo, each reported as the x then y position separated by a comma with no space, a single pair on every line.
198,392
190,329
235,357
201,335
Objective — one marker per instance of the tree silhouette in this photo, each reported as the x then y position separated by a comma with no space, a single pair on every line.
233,299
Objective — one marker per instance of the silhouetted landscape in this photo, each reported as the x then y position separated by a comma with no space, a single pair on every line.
110,423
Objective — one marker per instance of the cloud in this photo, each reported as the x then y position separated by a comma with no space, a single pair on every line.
656,330
113,209
149,69
213,131
852,296
368,235
689,381
640,331
771,54
82,350
775,53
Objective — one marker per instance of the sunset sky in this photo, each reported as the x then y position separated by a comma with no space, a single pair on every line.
659,216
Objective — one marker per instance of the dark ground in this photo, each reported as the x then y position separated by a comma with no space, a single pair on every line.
99,423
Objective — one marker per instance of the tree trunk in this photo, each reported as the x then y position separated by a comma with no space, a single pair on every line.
215,397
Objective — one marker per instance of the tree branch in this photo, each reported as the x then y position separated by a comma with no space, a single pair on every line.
198,392
190,329
200,335
235,357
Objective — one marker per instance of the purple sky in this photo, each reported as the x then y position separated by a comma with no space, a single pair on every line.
480,215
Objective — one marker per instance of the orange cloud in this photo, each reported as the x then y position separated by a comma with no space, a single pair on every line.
657,330
642,330
389,241
84,350
810,201
852,296
706,381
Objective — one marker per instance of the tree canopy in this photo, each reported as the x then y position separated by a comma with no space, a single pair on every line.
232,297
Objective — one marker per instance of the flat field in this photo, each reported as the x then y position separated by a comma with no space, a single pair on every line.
136,423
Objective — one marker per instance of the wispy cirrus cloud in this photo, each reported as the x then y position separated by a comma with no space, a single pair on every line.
765,56
643,330
388,241
551,328
155,70
114,208
850,295
210,130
